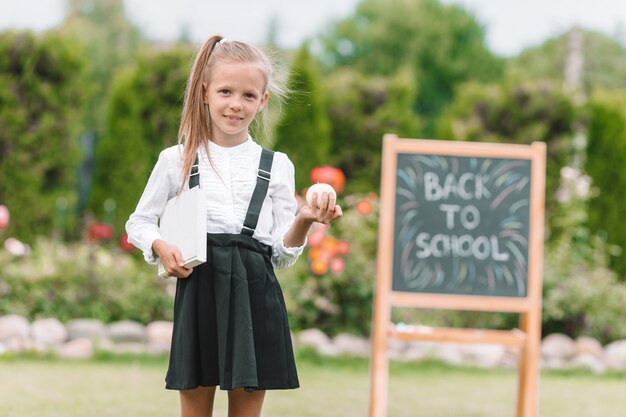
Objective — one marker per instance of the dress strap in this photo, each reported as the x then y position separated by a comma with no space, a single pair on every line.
194,176
259,193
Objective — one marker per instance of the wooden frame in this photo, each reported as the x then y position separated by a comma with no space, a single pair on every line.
526,338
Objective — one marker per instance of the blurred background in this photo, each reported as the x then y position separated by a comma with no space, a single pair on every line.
91,91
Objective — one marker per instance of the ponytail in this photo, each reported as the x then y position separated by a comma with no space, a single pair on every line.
195,124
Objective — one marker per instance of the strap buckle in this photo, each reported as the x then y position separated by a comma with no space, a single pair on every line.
264,175
247,230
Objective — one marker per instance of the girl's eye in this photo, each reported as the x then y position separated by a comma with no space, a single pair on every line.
250,96
224,91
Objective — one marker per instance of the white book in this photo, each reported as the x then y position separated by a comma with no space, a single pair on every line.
183,224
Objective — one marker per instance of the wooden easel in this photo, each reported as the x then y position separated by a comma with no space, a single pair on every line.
526,338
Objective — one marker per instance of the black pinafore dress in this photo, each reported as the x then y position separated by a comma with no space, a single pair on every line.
230,320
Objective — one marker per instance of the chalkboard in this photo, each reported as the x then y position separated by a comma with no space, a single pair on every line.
461,225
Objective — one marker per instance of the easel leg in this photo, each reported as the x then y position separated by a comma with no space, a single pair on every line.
528,379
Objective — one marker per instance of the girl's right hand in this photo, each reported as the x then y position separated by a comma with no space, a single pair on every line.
171,258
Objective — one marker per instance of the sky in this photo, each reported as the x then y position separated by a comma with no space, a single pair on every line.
511,25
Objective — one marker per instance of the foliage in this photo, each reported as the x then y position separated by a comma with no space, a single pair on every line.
362,109
606,164
336,302
108,41
142,119
516,112
38,98
604,61
443,45
303,132
581,295
76,280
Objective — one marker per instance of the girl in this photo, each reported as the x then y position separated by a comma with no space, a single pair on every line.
230,321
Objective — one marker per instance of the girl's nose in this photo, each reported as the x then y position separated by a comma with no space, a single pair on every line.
235,104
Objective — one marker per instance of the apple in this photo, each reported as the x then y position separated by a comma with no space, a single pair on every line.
319,189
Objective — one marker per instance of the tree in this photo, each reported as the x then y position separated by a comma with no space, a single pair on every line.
39,100
606,164
604,61
442,44
362,109
303,131
143,114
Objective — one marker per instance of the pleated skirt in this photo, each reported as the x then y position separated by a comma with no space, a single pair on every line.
230,322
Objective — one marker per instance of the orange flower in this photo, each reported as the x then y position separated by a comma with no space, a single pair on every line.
319,267
364,207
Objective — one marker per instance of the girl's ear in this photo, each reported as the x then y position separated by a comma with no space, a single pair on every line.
205,93
264,99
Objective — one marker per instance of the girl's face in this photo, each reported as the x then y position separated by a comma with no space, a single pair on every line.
234,95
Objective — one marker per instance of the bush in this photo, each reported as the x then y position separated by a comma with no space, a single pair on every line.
337,301
362,109
304,132
38,105
143,114
581,295
80,280
606,164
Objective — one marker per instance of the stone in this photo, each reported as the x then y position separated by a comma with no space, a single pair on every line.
414,353
615,355
127,331
92,329
12,326
80,348
349,344
588,361
449,353
588,345
558,345
314,338
48,333
485,355
159,336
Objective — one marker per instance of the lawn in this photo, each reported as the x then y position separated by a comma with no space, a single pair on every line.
119,387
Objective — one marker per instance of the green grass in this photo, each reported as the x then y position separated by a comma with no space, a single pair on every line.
133,386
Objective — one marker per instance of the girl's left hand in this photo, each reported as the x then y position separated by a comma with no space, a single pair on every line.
326,213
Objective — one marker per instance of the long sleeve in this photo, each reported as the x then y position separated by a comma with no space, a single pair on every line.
283,213
141,227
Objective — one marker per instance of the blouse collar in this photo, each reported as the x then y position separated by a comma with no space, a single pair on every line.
242,147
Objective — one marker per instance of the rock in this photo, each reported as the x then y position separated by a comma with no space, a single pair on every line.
588,345
159,335
348,344
127,331
449,353
553,362
485,355
80,348
48,333
91,329
314,338
13,326
615,355
588,361
328,350
414,353
558,345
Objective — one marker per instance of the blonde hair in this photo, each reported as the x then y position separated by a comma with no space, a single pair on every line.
195,124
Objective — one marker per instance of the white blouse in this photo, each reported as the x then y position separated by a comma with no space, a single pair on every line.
228,185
